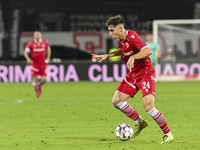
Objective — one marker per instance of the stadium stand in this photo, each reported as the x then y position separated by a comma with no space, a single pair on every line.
65,15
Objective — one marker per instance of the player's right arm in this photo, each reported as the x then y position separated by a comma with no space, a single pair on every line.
26,54
105,56
116,53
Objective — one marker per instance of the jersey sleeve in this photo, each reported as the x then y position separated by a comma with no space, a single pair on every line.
137,41
28,47
47,45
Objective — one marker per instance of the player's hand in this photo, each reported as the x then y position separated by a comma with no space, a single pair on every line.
130,63
100,57
47,60
28,61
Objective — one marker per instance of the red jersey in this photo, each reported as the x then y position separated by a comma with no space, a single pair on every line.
132,45
38,52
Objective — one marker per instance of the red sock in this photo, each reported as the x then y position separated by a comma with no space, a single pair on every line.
127,110
159,118
36,87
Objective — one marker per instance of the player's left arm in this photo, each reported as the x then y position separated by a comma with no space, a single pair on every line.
140,55
144,50
48,55
48,52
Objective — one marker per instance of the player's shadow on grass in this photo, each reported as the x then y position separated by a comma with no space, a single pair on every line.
111,140
92,139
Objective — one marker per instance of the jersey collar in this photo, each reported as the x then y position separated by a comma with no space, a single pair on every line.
37,42
125,38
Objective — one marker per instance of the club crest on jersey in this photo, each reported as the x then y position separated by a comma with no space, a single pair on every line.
132,36
128,53
43,45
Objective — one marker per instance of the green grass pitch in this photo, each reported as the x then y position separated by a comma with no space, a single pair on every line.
80,116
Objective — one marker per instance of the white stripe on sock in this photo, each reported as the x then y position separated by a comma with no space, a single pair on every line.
121,105
153,112
34,83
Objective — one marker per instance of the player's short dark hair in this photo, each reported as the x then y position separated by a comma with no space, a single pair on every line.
116,20
149,33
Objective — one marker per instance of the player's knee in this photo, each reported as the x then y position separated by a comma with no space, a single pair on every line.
148,102
148,107
118,98
115,101
43,80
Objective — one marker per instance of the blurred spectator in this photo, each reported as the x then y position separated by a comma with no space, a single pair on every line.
169,55
155,48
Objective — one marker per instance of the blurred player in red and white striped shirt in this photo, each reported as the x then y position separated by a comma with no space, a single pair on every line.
140,76
40,56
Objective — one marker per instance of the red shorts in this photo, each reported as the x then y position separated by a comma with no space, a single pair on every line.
131,86
38,70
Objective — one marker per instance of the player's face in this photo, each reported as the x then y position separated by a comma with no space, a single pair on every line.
114,31
37,35
149,38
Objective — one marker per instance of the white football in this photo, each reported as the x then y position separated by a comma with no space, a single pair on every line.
124,132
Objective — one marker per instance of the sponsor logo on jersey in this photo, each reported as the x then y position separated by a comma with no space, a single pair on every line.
128,53
38,49
127,44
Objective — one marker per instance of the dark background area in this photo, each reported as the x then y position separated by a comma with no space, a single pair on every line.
82,16
67,15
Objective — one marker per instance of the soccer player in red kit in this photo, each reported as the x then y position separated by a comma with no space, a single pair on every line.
140,76
40,56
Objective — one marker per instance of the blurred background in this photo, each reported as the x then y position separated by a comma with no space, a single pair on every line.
75,29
